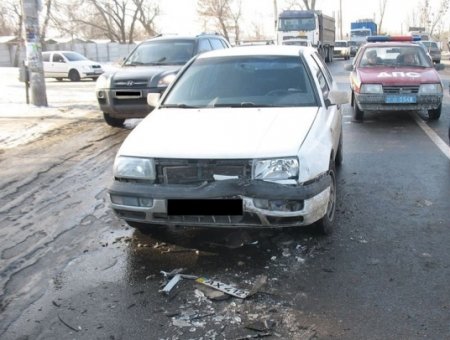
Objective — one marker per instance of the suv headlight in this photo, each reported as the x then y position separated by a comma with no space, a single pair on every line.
134,168
103,82
430,89
371,88
166,80
275,169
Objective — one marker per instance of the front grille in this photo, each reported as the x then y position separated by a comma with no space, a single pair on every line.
130,83
193,171
400,89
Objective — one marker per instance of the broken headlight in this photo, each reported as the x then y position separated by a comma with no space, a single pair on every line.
134,168
275,169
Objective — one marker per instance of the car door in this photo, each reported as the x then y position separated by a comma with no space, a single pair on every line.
326,82
59,65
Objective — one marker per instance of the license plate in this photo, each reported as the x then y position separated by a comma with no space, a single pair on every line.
400,100
223,287
206,207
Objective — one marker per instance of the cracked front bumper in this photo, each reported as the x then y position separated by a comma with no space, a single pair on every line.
310,202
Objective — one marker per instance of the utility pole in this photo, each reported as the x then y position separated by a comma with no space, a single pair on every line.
34,52
340,19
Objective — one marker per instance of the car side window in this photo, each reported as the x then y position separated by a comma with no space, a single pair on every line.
216,44
204,46
45,57
319,60
317,70
58,58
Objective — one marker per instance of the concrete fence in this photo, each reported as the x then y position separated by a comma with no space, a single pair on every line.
102,51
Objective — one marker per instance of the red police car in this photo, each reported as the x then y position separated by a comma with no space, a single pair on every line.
392,74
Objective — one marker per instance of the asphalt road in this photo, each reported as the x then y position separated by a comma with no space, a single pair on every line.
70,269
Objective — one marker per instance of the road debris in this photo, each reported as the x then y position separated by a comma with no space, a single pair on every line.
260,281
174,277
254,336
233,291
172,283
67,325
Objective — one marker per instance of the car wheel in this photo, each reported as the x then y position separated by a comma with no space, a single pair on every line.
74,75
435,113
94,78
325,224
59,79
115,122
339,154
358,114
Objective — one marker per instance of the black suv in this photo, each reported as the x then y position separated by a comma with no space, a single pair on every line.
149,68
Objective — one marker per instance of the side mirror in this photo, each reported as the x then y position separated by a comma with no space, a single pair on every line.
439,67
153,99
348,67
336,97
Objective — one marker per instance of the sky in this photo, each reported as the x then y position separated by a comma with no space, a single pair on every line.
179,16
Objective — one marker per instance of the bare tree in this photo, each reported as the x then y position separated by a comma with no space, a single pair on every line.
11,18
46,19
147,13
117,20
382,4
225,14
437,16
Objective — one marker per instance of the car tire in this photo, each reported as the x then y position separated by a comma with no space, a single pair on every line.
325,225
74,75
358,114
94,78
435,113
339,153
114,122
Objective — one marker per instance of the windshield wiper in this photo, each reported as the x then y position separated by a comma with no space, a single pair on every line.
178,106
243,104
134,63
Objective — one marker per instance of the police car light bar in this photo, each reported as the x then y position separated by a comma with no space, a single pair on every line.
383,38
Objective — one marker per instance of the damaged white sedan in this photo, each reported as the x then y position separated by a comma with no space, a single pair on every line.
244,137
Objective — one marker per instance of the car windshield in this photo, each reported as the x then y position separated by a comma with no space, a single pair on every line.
72,56
163,52
243,81
395,56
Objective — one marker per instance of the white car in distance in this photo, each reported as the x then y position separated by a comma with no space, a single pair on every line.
69,64
243,137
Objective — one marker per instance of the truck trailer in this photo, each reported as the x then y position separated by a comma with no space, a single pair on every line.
313,26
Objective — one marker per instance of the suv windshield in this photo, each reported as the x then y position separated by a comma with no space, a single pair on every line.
250,81
164,52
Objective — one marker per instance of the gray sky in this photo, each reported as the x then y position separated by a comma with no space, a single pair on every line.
179,16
